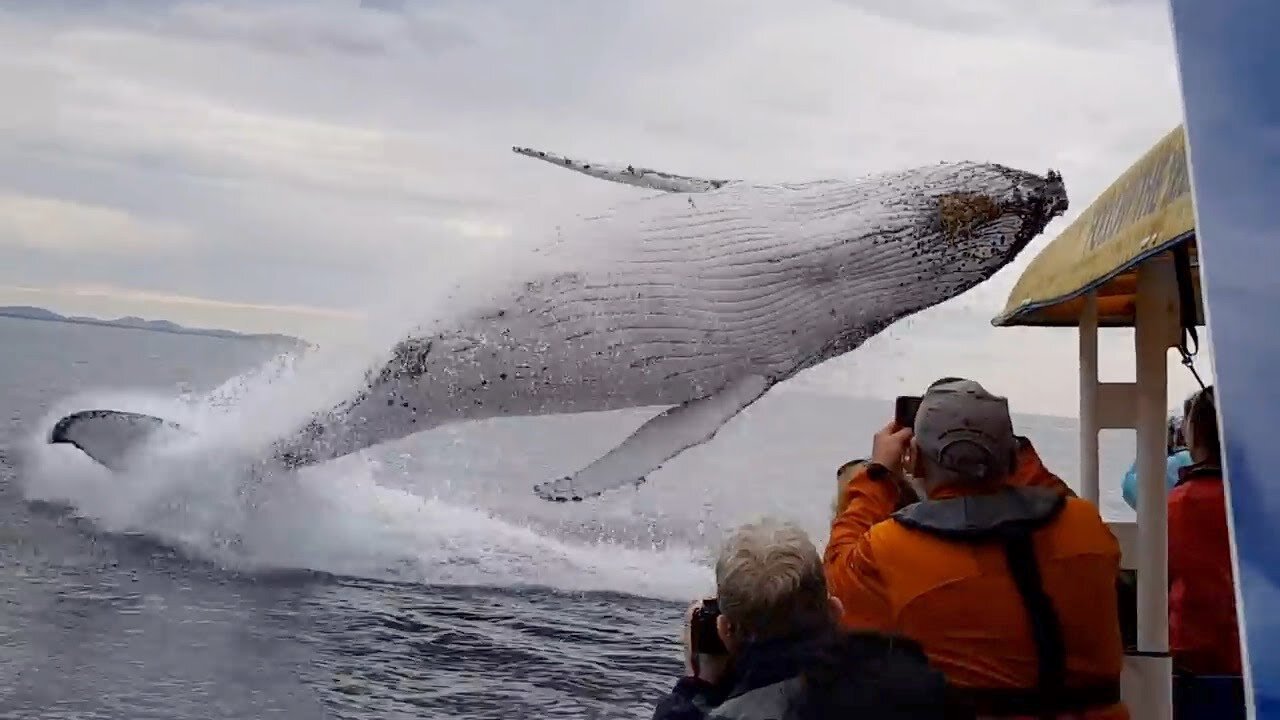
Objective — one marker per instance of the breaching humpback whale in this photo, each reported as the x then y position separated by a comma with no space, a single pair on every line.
716,291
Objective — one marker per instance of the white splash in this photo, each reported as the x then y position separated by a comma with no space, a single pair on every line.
359,516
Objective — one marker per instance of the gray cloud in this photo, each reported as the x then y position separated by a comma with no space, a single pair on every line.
339,153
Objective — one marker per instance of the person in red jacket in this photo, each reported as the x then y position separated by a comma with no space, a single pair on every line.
1203,636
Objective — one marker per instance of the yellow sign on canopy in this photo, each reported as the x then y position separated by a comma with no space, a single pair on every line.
1146,211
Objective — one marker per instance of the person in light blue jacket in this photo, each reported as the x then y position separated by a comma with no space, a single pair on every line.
1179,457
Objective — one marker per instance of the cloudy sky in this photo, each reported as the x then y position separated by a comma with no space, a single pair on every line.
296,166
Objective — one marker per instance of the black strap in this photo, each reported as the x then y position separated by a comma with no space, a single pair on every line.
1186,308
1051,649
1051,696
1012,702
1127,604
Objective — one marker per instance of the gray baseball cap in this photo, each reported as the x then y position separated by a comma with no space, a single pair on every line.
967,430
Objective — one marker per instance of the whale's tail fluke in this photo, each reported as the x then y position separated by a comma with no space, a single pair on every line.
109,437
629,174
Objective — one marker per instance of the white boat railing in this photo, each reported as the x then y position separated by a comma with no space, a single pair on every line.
1142,406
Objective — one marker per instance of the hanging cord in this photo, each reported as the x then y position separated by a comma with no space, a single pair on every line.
1186,309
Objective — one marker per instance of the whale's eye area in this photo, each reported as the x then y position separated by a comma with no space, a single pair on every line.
961,212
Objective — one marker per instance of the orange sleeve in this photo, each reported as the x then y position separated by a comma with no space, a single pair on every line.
852,573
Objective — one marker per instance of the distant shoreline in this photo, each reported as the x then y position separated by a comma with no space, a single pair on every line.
137,323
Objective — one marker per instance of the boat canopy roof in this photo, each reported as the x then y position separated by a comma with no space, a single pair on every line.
1145,212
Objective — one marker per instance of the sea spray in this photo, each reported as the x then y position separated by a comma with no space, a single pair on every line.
375,514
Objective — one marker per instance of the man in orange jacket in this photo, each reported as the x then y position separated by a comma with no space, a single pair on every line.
1007,582
1029,472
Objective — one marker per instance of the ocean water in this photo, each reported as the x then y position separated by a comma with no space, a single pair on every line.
421,579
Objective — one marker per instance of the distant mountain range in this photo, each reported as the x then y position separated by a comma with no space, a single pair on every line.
26,312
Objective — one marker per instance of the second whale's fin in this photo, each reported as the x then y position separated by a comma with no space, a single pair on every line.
657,441
629,174
108,437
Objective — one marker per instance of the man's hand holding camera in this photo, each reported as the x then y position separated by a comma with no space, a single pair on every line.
705,656
891,448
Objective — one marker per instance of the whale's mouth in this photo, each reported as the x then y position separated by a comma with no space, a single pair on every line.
999,226
1037,200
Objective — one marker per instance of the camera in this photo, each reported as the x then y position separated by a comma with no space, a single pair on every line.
905,409
704,639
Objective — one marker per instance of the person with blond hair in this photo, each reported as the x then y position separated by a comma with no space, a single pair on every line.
767,645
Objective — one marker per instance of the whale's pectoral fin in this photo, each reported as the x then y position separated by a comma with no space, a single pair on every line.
657,441
628,175
110,436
